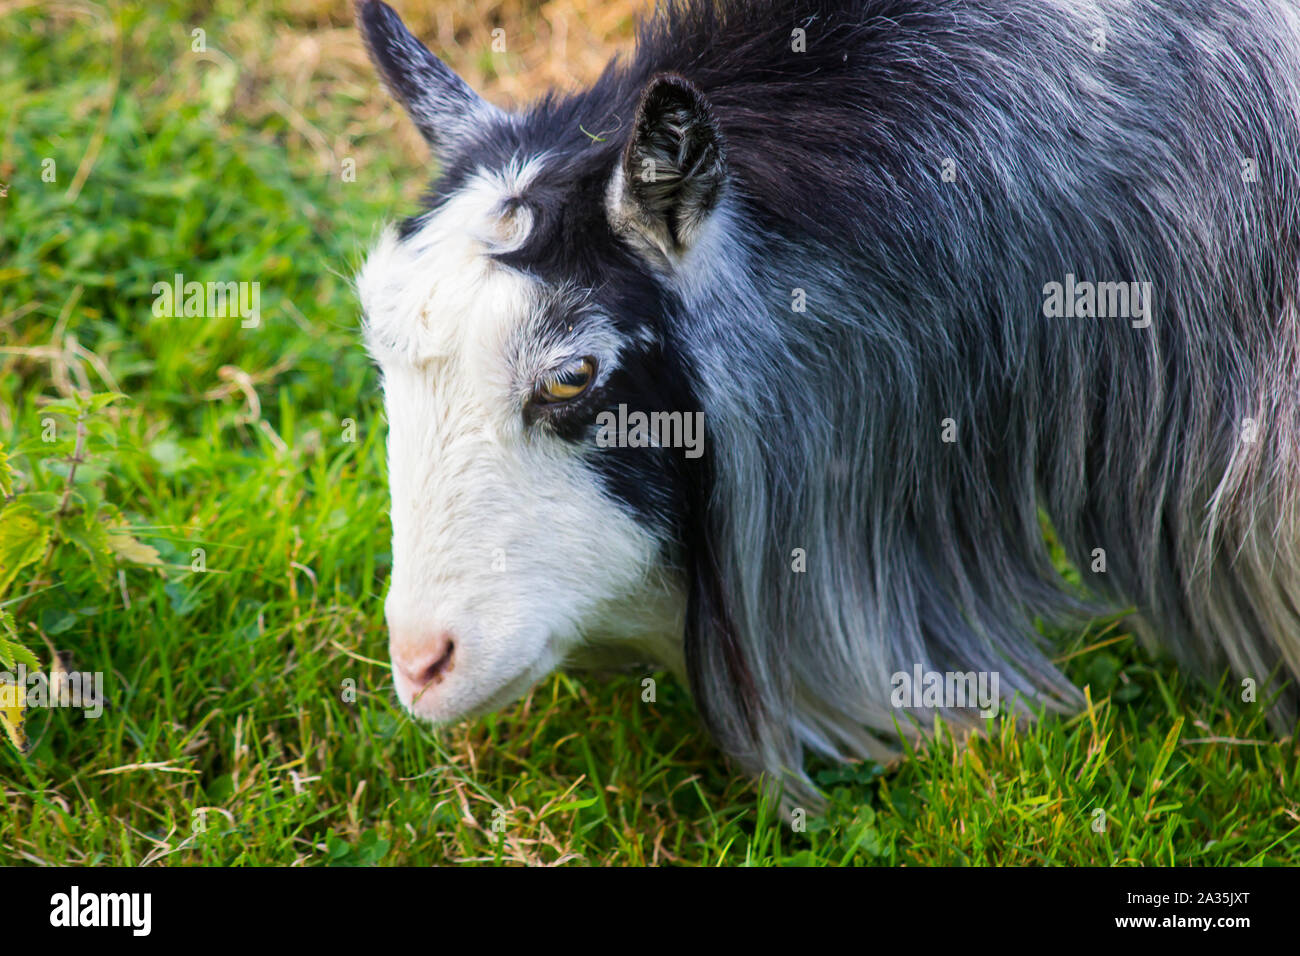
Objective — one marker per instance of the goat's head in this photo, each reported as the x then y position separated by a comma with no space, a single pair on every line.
510,320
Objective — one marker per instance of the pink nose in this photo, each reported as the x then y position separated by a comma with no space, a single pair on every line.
424,658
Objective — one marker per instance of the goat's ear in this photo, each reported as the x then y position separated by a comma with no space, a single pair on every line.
443,107
673,169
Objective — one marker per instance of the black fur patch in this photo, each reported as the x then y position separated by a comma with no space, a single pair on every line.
571,244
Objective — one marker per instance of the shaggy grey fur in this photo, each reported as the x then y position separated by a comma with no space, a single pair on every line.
923,171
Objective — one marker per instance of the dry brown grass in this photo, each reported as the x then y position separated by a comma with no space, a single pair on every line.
313,60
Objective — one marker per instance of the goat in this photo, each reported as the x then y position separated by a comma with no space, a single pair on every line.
927,272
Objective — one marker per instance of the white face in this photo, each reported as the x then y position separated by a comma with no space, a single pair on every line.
508,554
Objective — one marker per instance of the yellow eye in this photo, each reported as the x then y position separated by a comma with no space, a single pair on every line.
568,383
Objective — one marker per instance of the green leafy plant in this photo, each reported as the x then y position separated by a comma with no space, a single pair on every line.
38,524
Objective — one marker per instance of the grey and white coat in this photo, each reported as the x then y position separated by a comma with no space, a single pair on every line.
916,174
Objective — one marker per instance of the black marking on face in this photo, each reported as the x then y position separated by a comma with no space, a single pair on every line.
572,246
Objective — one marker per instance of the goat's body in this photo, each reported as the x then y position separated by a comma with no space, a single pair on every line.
925,303
922,170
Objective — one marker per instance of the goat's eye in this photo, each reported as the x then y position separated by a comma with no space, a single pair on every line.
567,383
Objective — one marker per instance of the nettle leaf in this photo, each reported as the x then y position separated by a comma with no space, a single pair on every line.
67,407
12,652
103,430
45,502
24,536
129,548
87,471
104,399
91,536
87,498
6,474
12,705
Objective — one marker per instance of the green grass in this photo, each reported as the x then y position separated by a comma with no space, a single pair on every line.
230,689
